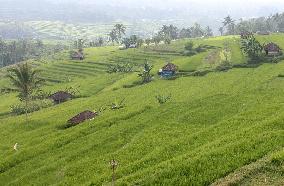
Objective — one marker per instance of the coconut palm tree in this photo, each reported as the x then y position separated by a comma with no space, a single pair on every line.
230,24
24,80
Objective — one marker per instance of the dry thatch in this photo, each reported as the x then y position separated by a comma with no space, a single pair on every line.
60,97
80,118
170,67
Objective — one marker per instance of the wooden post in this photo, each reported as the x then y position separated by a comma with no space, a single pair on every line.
113,164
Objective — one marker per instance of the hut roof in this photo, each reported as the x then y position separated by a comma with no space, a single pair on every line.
170,67
77,55
272,47
80,118
60,96
245,34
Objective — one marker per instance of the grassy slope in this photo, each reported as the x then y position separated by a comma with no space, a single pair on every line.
212,126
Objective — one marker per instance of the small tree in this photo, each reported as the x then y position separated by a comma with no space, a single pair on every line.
146,74
25,81
189,46
251,46
148,42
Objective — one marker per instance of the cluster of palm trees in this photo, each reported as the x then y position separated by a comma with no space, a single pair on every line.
274,23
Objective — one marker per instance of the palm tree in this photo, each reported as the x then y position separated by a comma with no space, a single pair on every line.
227,21
24,80
230,24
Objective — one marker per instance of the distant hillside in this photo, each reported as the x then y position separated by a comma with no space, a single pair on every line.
188,12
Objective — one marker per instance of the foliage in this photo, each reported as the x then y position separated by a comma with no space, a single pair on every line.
251,47
162,99
12,52
146,75
208,32
121,67
24,80
273,23
224,66
189,46
116,105
117,33
34,105
200,48
230,25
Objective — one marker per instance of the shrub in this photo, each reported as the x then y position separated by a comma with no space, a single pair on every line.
116,105
146,75
33,106
224,66
201,72
189,46
200,48
162,99
189,53
125,67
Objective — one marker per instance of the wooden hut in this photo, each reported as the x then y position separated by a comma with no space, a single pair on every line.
272,49
77,55
168,70
60,97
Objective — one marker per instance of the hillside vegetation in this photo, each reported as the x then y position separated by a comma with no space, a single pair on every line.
212,126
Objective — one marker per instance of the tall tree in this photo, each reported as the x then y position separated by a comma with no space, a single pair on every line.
24,80
221,30
113,36
120,30
208,31
229,23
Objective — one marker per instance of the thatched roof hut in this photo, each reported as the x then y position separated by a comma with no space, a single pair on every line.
77,55
82,117
60,97
170,67
272,49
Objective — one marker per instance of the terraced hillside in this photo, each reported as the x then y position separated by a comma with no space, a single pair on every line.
67,31
213,125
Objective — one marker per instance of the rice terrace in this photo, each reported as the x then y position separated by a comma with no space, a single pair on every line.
179,105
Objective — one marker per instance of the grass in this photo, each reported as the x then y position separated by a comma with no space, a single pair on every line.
212,126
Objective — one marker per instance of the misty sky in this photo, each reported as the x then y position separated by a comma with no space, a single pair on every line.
251,8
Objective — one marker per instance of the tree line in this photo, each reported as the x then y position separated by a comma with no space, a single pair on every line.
12,52
273,23
166,33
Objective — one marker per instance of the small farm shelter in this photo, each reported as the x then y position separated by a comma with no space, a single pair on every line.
77,56
60,97
245,34
272,49
82,117
168,70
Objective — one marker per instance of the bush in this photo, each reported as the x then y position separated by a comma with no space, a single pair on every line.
124,67
200,48
162,99
189,53
189,46
201,72
33,106
224,66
